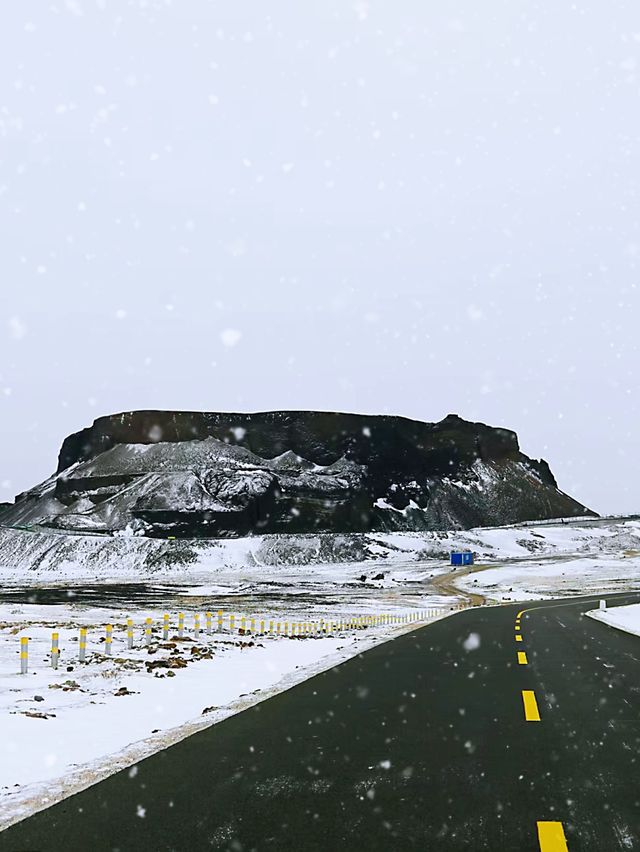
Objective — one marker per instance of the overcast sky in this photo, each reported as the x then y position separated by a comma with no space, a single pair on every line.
402,207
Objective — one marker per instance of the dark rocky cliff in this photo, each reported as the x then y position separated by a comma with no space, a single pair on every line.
214,474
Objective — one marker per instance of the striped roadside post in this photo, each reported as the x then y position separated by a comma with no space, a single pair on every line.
180,625
55,650
232,621
196,626
286,628
108,639
262,627
82,645
271,628
219,620
277,628
147,631
130,633
24,654
165,626
253,625
208,618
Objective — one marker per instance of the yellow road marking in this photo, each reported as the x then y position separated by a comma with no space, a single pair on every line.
522,658
531,713
522,611
517,627
551,837
518,638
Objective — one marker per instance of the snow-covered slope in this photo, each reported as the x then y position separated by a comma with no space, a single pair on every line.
46,556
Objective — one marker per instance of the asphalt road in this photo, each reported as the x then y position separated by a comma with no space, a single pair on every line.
421,743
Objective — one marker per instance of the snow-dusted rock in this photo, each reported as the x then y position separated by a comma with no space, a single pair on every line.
197,475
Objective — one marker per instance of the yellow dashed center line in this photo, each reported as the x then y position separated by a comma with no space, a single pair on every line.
517,627
520,614
522,658
531,712
518,638
551,837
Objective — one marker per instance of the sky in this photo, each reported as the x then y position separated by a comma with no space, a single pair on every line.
401,207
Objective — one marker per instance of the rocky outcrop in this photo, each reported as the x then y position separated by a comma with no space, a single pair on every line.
194,474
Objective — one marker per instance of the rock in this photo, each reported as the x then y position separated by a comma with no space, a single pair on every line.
169,663
194,475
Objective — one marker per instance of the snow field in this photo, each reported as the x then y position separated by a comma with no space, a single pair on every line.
625,618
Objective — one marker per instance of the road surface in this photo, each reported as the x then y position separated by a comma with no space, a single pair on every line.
457,736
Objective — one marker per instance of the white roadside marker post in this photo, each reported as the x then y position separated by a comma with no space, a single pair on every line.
107,640
24,654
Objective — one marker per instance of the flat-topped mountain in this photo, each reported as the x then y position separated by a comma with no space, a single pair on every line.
200,474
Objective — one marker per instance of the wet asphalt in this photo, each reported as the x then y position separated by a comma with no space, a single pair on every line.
419,743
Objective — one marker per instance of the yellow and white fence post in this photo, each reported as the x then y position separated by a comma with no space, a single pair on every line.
165,626
147,631
180,624
55,650
130,634
208,619
82,645
24,654
108,639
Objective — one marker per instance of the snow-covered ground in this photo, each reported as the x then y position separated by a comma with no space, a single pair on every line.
43,556
64,729
554,578
625,618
